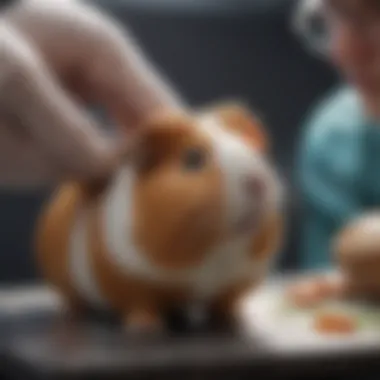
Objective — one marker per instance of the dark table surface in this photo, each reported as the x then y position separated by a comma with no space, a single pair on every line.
38,343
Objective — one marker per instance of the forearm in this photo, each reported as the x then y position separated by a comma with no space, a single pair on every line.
145,90
135,85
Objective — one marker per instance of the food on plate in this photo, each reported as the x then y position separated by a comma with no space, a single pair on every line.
310,292
304,294
335,323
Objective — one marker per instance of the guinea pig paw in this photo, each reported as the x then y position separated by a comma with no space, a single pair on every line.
72,312
224,319
143,323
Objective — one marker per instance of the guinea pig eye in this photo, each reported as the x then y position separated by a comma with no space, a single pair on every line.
194,159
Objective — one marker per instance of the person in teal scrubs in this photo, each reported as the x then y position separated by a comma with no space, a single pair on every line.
339,156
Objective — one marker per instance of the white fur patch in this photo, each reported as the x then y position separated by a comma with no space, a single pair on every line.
238,161
80,267
118,225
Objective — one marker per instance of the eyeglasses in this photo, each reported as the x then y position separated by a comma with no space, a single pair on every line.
317,23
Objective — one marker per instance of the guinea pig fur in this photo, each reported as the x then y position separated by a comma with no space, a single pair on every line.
192,215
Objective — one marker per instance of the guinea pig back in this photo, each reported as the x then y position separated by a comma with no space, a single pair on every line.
192,215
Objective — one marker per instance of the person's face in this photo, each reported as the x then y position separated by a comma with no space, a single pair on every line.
355,45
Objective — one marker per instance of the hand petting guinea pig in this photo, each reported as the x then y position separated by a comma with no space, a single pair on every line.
193,215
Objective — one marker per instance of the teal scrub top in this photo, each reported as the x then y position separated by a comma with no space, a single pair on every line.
338,172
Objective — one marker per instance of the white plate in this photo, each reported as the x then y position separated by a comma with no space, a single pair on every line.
265,314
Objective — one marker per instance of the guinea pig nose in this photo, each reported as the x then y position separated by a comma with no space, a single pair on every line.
254,186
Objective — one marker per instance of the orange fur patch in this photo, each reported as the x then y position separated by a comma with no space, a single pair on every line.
177,213
52,239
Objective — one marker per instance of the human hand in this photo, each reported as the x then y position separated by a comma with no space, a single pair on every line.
55,56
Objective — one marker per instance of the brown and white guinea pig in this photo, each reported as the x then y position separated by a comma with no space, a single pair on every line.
192,215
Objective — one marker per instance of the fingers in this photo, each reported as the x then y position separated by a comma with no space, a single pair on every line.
123,78
31,93
112,68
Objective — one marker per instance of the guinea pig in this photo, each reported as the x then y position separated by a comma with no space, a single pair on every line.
193,214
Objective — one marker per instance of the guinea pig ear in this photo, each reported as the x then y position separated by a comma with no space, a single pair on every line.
157,139
239,117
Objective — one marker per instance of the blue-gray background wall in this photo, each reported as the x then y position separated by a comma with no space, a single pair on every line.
210,50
